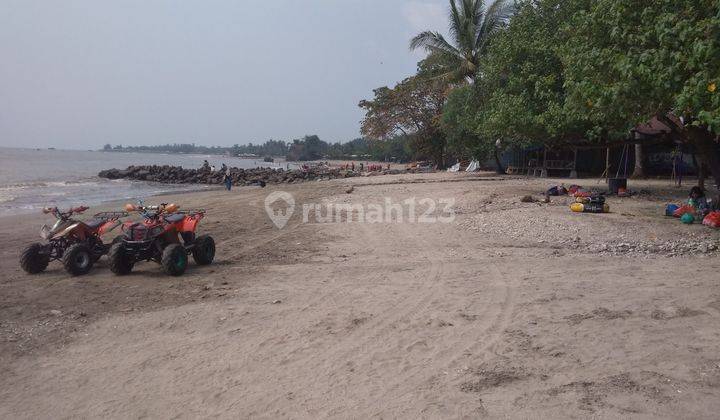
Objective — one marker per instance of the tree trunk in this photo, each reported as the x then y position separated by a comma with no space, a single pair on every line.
500,169
702,175
639,171
708,149
701,170
704,142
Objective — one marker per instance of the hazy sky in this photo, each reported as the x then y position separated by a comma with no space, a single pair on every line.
78,74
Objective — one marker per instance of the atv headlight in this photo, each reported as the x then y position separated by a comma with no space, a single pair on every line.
45,232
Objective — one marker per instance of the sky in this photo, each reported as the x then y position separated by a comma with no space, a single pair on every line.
79,74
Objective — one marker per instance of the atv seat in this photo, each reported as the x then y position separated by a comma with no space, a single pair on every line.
94,223
173,218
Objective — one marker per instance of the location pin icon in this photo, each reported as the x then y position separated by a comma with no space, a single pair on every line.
278,213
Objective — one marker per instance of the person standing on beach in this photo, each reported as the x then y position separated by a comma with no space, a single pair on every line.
227,179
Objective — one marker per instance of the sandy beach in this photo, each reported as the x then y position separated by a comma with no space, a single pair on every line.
512,309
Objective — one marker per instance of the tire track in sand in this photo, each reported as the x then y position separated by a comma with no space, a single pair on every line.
450,353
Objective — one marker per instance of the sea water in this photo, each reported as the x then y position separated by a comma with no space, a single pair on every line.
31,179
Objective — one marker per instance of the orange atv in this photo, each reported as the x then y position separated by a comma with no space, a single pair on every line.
166,236
76,243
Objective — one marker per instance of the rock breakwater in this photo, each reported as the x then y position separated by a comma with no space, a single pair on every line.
179,175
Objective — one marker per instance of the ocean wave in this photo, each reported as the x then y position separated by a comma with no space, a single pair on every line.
67,194
46,184
6,198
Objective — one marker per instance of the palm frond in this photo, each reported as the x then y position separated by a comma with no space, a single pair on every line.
496,17
471,25
452,68
462,27
478,10
473,10
456,23
433,41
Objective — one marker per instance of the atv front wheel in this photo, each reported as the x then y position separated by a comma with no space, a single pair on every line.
174,259
78,259
33,260
106,248
120,262
204,250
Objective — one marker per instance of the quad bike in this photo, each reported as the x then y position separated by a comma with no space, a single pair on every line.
166,236
77,244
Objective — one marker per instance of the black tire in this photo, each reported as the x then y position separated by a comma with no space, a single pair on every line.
33,260
119,262
78,259
115,240
204,250
174,259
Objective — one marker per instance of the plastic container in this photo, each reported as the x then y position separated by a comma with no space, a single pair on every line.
687,218
577,207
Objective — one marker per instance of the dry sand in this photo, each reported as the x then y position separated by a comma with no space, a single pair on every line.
520,310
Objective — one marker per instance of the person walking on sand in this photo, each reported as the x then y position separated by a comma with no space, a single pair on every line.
227,179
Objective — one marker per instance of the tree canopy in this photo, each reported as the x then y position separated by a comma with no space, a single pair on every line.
412,109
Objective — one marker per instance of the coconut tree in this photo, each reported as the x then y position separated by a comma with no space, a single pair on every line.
471,27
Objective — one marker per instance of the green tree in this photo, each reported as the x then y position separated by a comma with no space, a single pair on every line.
524,78
412,109
472,25
518,97
459,123
309,148
629,60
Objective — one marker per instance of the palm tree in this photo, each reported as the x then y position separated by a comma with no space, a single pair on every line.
472,25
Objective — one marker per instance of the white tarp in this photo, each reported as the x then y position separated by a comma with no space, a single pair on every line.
473,166
454,168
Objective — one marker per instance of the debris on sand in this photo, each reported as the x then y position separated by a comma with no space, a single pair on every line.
672,248
493,377
599,313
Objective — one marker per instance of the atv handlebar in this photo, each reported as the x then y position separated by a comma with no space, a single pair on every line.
152,211
64,215
111,215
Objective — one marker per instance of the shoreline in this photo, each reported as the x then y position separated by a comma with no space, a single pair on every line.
63,178
106,203
115,204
